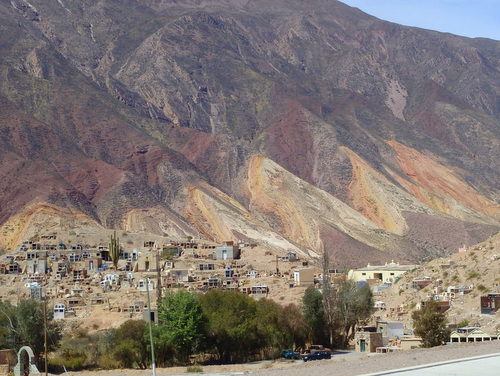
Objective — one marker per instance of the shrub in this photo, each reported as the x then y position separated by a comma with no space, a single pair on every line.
473,275
463,323
194,369
482,288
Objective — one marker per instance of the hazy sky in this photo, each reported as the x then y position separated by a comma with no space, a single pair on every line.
471,18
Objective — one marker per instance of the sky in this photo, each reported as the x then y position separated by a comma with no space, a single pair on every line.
471,18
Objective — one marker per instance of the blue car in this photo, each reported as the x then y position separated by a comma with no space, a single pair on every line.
317,355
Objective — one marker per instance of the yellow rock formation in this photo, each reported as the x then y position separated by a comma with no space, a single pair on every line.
436,185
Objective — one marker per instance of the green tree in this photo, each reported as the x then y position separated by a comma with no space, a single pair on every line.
293,319
429,323
232,326
130,344
182,322
271,328
164,347
354,303
24,326
312,305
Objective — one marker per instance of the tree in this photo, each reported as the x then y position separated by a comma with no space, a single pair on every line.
429,323
114,249
272,328
293,319
130,344
314,316
24,326
354,303
232,326
182,322
329,299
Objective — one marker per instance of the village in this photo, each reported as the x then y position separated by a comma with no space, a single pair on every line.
83,288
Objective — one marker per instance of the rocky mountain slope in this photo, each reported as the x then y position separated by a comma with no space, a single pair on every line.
306,125
476,269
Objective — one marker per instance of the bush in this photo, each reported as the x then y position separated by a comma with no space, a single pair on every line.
73,360
463,323
473,275
194,369
482,288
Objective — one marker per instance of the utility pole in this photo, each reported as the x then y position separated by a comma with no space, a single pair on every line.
45,335
151,330
158,278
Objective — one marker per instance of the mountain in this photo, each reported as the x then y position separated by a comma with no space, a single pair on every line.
304,125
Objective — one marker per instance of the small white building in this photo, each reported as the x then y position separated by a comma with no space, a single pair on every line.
59,311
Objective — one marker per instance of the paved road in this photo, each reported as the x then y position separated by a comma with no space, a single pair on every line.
488,365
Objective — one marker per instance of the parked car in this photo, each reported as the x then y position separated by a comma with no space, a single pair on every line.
317,355
313,348
290,354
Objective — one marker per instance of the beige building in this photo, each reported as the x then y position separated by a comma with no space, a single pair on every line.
367,341
304,277
387,273
471,334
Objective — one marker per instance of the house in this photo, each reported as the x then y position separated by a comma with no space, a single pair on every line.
389,272
389,330
470,334
490,303
304,277
367,339
227,251
59,311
